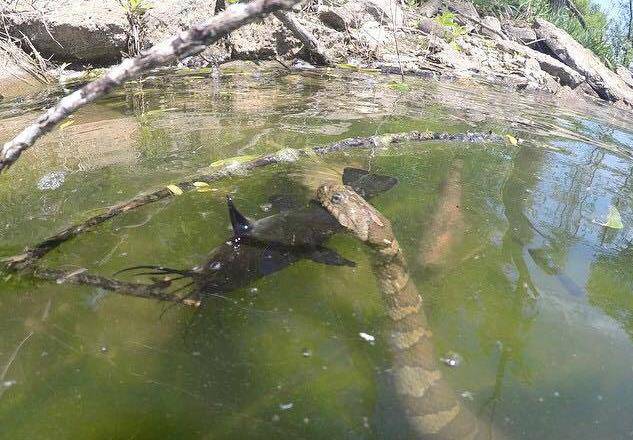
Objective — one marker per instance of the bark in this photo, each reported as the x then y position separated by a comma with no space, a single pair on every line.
33,254
185,44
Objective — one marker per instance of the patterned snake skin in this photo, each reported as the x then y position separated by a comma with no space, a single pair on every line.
433,411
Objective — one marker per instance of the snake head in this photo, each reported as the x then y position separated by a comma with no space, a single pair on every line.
352,211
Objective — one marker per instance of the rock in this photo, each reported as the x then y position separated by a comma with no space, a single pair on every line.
71,30
168,17
566,75
355,13
518,33
387,12
264,39
335,18
625,74
432,27
489,22
430,8
463,8
605,82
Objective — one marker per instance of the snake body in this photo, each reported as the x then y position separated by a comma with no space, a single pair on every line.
431,407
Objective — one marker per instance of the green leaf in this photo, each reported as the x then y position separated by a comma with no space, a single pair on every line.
399,86
232,160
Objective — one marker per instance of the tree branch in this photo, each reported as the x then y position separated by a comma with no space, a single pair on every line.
186,43
157,291
33,254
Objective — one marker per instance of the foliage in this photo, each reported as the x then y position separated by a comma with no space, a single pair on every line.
447,19
137,7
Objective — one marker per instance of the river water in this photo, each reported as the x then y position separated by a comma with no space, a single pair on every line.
520,282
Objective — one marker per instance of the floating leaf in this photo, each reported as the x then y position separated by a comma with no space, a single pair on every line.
233,160
159,110
175,189
399,86
614,220
513,141
202,186
68,123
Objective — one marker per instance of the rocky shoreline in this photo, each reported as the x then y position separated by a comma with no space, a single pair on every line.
446,38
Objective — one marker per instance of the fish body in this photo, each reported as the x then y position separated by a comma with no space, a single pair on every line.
261,247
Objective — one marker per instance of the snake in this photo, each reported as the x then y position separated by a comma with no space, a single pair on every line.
432,409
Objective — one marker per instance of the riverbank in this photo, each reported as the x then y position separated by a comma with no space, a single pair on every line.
441,39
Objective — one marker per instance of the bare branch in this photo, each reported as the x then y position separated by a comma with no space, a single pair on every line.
157,291
186,43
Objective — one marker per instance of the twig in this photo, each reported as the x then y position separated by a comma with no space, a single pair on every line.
31,255
3,387
184,44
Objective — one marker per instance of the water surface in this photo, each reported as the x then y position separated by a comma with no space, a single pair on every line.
530,291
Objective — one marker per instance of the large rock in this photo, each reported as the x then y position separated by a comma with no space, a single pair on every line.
605,82
355,13
625,74
70,30
491,27
565,74
264,39
462,8
168,17
520,34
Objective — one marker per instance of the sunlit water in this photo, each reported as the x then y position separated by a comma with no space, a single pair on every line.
531,292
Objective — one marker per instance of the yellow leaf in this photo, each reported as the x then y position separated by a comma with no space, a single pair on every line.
175,189
200,184
68,123
614,220
230,160
513,141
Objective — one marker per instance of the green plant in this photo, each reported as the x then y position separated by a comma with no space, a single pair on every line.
138,7
447,19
595,36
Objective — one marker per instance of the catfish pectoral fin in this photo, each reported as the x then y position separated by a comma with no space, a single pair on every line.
330,257
367,184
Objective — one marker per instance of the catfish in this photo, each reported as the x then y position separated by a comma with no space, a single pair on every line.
262,247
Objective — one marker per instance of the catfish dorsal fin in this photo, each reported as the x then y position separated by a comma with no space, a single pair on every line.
241,225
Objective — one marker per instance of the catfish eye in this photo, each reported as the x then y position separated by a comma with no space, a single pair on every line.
336,198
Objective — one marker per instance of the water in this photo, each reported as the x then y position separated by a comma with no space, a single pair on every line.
526,290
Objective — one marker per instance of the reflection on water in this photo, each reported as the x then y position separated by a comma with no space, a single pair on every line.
534,295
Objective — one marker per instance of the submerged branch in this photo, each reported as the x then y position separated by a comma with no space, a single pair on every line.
185,44
157,291
32,254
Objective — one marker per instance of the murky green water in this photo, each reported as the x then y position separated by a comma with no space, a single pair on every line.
534,296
